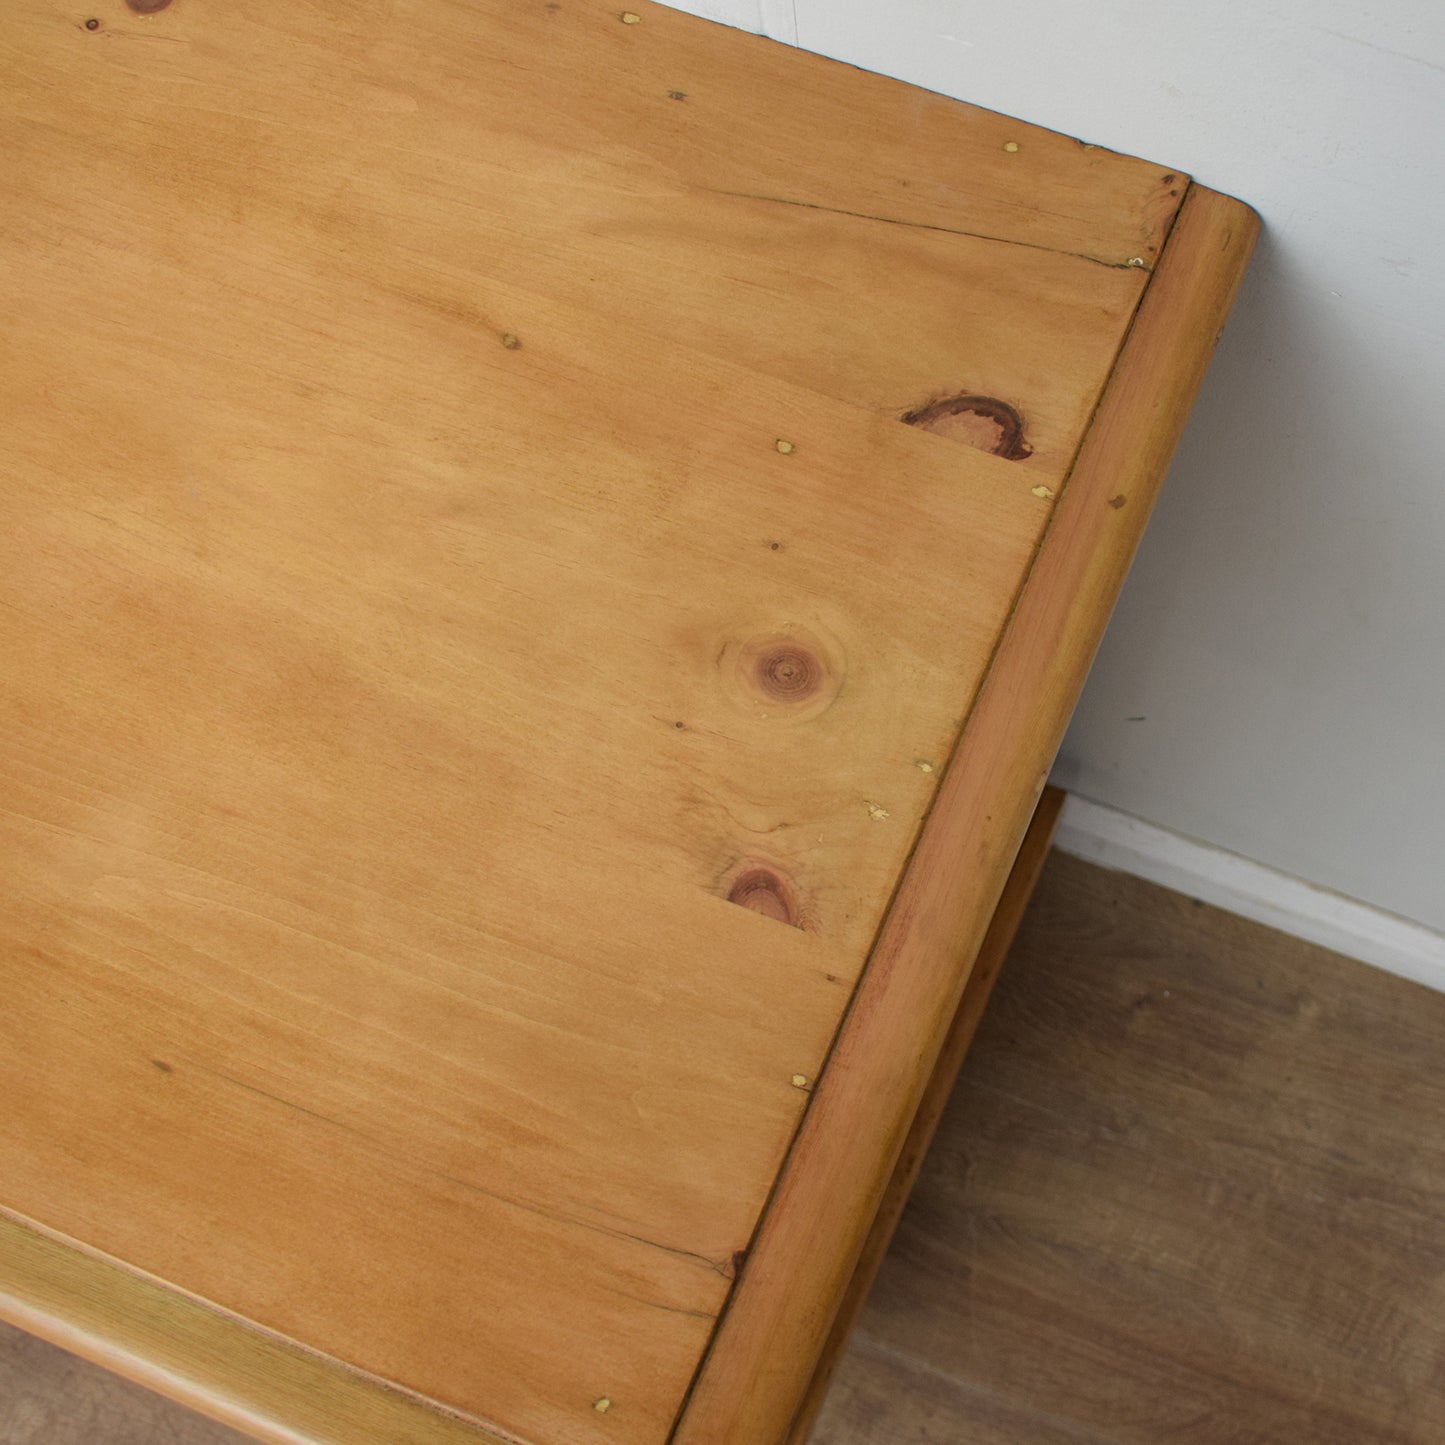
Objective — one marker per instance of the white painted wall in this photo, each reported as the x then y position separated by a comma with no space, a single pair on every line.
1282,637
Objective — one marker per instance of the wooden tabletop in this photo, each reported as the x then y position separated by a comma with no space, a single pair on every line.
506,510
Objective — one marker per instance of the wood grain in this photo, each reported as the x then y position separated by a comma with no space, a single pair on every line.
284,750
493,557
181,1347
837,230
1189,1188
1209,1146
772,1335
982,976
886,1397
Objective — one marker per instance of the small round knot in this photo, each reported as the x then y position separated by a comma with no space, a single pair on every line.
787,672
785,676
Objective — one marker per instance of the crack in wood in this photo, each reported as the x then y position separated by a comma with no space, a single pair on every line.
722,1266
1130,265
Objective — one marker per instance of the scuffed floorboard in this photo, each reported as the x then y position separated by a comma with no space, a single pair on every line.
1190,1188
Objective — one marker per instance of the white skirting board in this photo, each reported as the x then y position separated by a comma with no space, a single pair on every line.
1130,845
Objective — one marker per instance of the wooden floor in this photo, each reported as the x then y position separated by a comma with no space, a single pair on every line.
1191,1188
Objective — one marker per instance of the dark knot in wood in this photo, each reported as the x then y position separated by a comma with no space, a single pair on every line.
764,892
984,422
786,672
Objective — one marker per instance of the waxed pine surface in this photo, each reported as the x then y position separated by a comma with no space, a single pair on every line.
494,559
1212,1211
